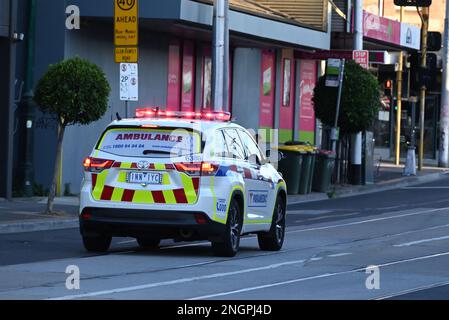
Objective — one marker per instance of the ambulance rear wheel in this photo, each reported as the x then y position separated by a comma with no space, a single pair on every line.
231,240
97,243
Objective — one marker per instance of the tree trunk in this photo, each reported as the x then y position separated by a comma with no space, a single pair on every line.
52,193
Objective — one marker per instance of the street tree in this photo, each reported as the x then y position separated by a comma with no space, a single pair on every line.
76,91
360,100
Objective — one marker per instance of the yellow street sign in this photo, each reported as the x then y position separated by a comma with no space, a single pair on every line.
126,22
126,54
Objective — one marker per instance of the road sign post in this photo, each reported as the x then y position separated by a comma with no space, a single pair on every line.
129,83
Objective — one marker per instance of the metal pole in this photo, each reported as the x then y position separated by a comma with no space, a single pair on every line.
444,116
425,26
218,55
399,101
27,109
334,133
356,140
226,68
10,111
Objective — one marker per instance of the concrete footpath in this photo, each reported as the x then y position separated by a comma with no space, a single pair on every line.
26,214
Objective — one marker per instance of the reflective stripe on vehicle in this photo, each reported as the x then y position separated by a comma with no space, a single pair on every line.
186,195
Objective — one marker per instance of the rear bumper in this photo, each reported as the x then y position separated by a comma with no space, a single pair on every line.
160,224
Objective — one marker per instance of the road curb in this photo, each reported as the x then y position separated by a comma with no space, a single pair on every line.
33,226
374,188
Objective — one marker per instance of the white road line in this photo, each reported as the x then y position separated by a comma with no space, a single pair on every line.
232,273
323,228
177,281
426,188
325,275
370,220
344,254
401,293
407,244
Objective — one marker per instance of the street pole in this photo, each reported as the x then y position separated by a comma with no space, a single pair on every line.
399,100
356,139
218,55
425,27
444,116
334,133
227,60
27,111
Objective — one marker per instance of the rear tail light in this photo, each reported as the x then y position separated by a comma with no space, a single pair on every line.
96,165
197,168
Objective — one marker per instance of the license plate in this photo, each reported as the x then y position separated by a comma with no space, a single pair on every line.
145,177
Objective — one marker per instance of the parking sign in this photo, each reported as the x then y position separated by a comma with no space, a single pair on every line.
129,82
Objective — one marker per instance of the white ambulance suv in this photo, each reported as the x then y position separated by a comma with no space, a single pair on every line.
185,176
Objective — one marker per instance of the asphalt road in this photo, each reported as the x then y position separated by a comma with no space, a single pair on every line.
329,245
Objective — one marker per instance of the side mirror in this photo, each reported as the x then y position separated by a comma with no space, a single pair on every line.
268,154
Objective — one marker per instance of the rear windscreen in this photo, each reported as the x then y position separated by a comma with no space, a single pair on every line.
143,142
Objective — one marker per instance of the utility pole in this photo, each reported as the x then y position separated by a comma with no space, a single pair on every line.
220,39
444,117
356,140
27,111
425,27
399,100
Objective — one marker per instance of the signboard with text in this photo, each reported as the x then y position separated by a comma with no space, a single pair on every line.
126,54
333,73
126,22
129,82
361,57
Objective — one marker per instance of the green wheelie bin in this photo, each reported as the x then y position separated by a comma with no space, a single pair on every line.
307,169
325,165
290,166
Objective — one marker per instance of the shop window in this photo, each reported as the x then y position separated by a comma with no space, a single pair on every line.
286,95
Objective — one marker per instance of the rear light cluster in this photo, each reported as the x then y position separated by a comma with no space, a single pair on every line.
197,168
206,115
96,165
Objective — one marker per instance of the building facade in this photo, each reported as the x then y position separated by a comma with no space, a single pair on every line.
270,86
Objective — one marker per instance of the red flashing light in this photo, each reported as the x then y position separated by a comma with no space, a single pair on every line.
207,115
388,84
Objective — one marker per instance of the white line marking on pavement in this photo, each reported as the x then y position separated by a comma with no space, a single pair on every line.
339,255
426,188
407,244
401,293
325,275
326,228
177,281
369,220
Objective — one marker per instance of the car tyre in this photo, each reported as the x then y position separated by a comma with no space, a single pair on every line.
148,243
97,243
231,240
274,239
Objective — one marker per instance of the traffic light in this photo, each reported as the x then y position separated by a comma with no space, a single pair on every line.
434,41
388,88
413,3
420,76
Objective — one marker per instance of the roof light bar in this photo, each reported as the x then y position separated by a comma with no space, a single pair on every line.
206,115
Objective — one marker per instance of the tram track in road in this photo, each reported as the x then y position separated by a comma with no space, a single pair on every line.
293,230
